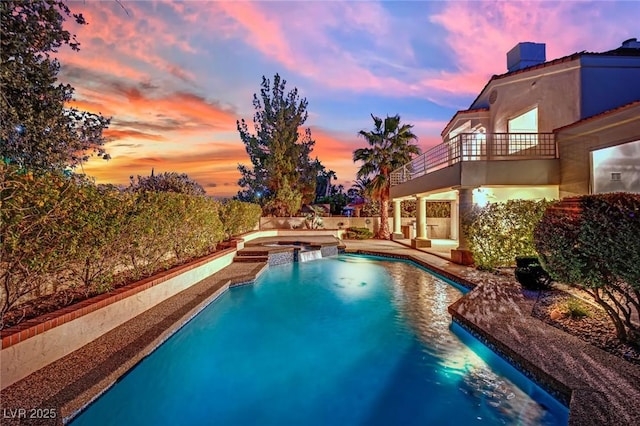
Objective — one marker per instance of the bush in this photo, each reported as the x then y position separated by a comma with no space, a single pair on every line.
576,308
36,231
596,246
499,232
239,217
355,233
530,273
166,182
56,229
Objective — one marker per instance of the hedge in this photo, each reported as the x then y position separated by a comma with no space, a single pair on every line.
57,229
239,217
498,232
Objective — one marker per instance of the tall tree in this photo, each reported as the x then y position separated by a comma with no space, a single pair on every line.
283,175
37,131
390,146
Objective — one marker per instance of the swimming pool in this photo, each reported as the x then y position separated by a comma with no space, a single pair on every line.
343,340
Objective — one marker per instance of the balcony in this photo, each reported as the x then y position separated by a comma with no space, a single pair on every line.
478,147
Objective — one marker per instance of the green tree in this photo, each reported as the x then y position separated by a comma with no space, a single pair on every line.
37,131
282,175
390,146
361,189
593,242
167,182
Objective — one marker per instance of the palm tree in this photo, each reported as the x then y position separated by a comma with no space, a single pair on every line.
390,146
360,189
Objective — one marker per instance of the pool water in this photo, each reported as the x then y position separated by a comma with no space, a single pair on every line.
347,340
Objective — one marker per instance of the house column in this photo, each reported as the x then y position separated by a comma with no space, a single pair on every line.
421,239
453,216
462,255
397,221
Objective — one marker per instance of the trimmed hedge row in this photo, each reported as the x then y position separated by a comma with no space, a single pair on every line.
239,217
58,232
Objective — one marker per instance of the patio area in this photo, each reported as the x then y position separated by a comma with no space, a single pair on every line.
598,387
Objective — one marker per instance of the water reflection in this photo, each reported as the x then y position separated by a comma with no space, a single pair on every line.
421,301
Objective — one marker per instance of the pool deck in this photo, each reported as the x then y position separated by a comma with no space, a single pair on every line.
599,388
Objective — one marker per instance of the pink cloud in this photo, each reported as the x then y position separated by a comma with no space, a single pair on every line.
481,33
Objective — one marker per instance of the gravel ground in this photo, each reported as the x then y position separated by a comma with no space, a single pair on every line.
596,328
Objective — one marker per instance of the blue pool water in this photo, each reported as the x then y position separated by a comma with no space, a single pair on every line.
347,340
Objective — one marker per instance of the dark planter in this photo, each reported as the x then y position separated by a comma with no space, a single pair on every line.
530,273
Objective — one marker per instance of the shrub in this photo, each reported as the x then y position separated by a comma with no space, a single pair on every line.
166,182
239,217
163,226
572,307
35,233
313,220
596,246
576,308
355,233
99,215
56,228
370,209
499,232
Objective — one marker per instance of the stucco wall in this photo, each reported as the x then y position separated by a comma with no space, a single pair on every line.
19,360
554,89
576,143
442,228
511,172
333,222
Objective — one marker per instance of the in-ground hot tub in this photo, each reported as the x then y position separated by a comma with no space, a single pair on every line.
283,250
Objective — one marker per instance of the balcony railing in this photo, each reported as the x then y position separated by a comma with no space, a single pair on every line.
477,147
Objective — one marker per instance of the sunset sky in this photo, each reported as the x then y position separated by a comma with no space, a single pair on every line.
175,76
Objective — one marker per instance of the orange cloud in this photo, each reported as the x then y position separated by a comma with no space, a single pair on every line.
214,166
114,135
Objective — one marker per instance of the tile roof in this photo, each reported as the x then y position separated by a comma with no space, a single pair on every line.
620,51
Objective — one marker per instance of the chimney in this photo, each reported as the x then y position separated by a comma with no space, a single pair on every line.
632,43
525,55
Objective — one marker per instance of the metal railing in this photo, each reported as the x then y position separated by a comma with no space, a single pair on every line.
477,147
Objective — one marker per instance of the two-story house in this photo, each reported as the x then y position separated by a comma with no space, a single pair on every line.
544,129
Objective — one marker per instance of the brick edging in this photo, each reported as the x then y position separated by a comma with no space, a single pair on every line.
35,326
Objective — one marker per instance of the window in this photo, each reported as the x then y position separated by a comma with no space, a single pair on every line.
616,168
523,131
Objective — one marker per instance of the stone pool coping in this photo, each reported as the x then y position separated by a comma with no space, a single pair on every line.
599,388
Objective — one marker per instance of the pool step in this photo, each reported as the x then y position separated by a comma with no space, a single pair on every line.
249,252
251,259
